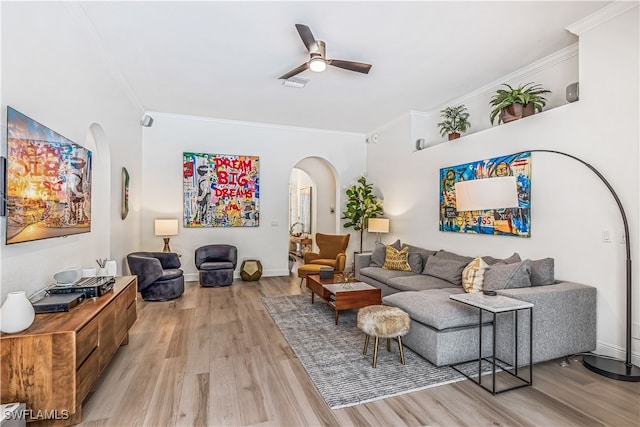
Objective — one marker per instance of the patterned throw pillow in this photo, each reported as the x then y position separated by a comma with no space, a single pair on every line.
396,259
473,275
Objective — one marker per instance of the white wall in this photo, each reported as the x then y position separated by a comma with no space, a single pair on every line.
52,72
570,205
323,197
279,148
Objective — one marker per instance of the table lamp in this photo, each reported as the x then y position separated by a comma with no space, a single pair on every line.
166,228
378,226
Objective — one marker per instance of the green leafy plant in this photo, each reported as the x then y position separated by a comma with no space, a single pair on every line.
362,204
530,93
456,121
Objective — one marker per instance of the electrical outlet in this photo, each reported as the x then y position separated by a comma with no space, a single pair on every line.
606,236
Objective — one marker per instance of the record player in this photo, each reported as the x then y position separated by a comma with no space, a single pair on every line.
92,287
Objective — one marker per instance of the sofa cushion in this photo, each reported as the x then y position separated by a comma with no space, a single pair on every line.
473,275
377,273
450,255
491,260
415,262
542,272
424,253
445,268
434,308
216,265
379,252
396,259
508,276
417,282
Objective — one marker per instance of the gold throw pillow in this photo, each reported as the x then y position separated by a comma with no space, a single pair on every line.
396,259
473,275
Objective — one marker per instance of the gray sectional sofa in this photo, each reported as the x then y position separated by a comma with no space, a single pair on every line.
444,331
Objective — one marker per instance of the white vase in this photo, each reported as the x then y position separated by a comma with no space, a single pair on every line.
17,313
112,267
102,272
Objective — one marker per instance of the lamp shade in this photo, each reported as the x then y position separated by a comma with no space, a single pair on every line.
487,193
378,225
166,227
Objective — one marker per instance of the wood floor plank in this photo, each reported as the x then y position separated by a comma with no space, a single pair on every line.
215,358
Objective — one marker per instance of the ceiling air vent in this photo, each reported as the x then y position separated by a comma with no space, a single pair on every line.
298,82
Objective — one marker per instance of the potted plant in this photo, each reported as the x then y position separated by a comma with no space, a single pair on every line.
512,104
362,204
456,121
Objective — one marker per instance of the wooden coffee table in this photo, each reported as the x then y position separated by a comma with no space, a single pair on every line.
340,297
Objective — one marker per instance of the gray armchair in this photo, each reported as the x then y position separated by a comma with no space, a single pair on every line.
159,275
216,264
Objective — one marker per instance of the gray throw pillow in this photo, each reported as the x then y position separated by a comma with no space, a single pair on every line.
415,262
542,272
445,269
508,276
450,255
491,260
379,252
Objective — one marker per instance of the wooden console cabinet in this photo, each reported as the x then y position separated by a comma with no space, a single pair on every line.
52,365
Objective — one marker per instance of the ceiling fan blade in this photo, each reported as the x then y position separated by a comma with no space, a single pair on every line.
307,38
295,71
359,67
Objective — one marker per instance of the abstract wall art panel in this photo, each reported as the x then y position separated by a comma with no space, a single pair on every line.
48,182
221,190
506,221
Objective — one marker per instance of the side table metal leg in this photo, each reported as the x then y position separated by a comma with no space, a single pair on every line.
479,346
493,386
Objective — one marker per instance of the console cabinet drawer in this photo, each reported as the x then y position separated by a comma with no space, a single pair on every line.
86,341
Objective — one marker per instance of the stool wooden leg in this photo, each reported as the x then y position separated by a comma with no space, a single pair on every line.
401,350
388,344
366,344
375,352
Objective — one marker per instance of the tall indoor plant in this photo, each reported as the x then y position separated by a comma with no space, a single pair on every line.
362,204
512,104
456,121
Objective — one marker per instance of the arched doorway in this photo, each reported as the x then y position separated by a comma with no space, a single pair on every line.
313,197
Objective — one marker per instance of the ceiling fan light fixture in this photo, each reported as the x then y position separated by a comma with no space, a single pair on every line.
318,65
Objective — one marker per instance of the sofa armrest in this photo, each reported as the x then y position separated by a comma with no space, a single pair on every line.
564,321
361,260
341,263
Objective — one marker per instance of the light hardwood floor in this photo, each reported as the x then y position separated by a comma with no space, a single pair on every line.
214,357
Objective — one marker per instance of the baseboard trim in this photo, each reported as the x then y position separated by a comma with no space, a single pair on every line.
193,277
617,352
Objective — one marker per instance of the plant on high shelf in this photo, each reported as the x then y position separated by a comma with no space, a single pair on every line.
456,121
512,104
362,204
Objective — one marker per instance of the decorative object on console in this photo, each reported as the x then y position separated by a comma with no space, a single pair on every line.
111,267
513,104
505,217
68,277
51,197
125,193
17,313
378,226
221,190
611,368
362,205
166,228
456,121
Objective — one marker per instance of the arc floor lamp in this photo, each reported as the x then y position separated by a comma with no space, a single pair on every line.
609,367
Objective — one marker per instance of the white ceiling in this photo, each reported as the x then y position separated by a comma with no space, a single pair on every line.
223,59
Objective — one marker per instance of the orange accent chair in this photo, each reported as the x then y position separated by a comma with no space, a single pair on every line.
332,254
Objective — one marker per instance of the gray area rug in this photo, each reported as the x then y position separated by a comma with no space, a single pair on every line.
332,355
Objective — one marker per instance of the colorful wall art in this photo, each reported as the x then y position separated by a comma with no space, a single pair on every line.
48,182
509,221
221,190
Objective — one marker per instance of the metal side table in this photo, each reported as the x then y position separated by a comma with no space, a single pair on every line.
498,304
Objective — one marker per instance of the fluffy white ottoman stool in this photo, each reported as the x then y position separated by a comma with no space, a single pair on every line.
381,321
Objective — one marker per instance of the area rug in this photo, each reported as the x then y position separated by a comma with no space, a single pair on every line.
332,355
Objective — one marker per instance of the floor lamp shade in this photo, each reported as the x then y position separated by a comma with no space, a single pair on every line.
486,193
378,226
166,228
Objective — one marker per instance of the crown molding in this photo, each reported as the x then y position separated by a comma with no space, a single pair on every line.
155,114
601,16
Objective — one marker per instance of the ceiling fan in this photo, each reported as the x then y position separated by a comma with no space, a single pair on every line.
317,57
